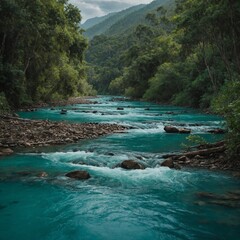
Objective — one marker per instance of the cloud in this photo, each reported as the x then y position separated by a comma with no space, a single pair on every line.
97,8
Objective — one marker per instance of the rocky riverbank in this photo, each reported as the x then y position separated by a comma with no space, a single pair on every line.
208,156
17,132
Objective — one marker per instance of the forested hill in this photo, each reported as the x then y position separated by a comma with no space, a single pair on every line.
124,21
187,55
109,21
96,20
41,52
132,20
110,52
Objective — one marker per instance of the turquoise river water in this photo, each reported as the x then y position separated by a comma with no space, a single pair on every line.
116,204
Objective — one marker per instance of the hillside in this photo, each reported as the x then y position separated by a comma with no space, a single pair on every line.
104,25
96,20
124,21
129,22
109,53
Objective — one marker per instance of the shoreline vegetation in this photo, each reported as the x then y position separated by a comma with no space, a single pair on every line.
17,133
211,156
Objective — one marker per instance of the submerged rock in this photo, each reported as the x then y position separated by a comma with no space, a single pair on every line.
79,175
217,131
63,111
23,173
2,207
229,199
110,154
131,164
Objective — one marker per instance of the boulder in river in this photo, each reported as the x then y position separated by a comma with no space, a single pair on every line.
229,199
171,129
168,163
79,175
5,151
184,130
131,164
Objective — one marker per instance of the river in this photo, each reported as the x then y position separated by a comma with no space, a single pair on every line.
116,204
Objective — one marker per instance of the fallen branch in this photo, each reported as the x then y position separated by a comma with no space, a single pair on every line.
203,152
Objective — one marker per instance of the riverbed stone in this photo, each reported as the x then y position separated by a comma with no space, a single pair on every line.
42,174
170,129
168,163
43,132
131,165
184,130
79,175
6,151
183,158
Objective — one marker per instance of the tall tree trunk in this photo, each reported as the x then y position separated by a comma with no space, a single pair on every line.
208,68
3,43
235,49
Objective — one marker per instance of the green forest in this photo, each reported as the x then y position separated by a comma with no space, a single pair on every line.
183,52
41,52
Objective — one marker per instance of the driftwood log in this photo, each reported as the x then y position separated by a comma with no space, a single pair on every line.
210,156
204,152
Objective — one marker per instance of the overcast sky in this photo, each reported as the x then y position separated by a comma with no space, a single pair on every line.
97,8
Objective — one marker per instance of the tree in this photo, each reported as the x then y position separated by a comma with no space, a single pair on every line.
41,51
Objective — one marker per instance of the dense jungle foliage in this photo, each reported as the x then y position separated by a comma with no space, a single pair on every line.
41,52
190,56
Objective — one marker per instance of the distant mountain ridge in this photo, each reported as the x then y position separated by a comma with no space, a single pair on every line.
96,20
104,25
126,24
124,21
